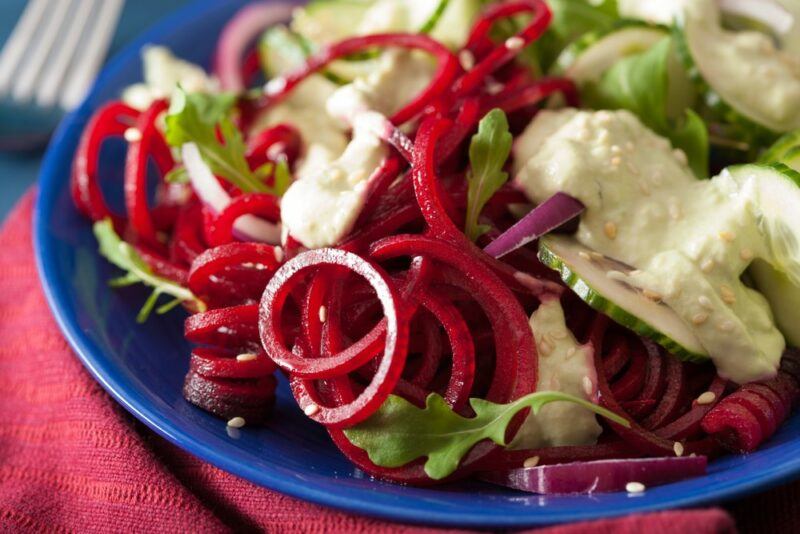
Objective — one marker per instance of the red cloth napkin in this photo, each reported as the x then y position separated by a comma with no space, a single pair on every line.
71,459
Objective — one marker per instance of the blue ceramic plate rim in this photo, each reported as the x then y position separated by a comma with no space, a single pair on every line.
362,501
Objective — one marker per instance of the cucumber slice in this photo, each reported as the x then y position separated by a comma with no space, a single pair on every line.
786,150
586,274
777,196
589,57
744,73
783,297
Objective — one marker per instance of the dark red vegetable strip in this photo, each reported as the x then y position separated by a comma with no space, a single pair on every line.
734,427
235,328
217,363
674,393
271,144
688,424
220,231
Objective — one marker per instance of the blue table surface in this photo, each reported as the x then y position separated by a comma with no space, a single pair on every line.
19,171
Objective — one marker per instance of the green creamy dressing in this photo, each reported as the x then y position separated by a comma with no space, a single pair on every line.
566,366
689,240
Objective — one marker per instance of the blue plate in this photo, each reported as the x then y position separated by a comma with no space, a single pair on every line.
142,366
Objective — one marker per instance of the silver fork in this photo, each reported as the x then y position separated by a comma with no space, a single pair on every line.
53,54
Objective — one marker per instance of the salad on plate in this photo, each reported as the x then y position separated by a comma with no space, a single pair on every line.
553,245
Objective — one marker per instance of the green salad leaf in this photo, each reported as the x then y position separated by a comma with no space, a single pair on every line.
203,119
640,84
124,256
488,152
399,432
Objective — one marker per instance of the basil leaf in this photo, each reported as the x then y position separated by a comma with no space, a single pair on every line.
488,152
640,84
399,432
124,256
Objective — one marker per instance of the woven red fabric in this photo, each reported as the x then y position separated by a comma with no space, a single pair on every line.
72,460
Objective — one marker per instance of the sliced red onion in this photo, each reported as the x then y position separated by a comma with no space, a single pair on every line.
544,218
600,476
239,33
213,195
769,12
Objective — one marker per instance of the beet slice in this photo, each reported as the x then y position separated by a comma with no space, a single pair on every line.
215,363
734,427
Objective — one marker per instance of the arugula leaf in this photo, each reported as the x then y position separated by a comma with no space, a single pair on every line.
399,432
177,175
124,256
198,118
640,84
572,19
488,152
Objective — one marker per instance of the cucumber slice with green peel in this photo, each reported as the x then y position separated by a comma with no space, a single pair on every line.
587,274
786,150
589,57
783,297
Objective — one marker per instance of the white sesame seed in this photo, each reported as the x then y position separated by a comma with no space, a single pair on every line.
680,155
707,266
585,255
466,59
323,314
746,254
705,302
728,296
493,87
533,461
616,161
237,422
275,86
311,409
699,318
545,347
246,357
706,398
588,386
616,150
278,252
678,448
727,236
515,43
610,230
571,352
635,487
132,135
655,296
725,326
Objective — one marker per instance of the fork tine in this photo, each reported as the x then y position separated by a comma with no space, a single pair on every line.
18,41
31,69
95,46
48,89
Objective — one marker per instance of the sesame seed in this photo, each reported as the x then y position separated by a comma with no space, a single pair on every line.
699,318
727,236
545,348
746,254
616,161
275,86
658,178
246,357
558,334
725,326
493,87
323,314
680,155
236,422
707,266
706,398
616,149
132,135
278,252
515,43
585,255
728,296
610,230
311,409
588,386
675,212
571,352
705,302
655,296
678,448
533,461
466,59
635,487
